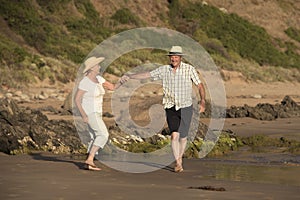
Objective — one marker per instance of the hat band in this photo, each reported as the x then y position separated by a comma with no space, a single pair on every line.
175,53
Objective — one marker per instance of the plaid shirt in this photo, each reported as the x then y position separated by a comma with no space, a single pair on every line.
177,87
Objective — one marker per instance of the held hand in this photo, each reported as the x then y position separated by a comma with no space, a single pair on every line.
124,79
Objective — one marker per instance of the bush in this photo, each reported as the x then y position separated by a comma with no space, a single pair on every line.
125,16
293,33
234,32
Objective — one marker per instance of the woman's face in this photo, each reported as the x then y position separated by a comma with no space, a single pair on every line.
96,68
175,60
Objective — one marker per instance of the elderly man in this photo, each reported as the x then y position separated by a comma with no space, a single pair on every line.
177,79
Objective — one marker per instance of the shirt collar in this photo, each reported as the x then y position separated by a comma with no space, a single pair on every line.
171,68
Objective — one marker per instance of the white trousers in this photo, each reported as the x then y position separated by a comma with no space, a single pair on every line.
97,130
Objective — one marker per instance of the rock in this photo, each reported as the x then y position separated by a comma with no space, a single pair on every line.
224,10
9,95
23,130
25,97
18,93
42,97
257,96
266,111
204,3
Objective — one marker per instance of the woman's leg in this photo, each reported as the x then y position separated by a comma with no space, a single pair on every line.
100,136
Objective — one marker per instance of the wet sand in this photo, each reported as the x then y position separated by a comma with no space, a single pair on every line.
48,176
282,127
242,175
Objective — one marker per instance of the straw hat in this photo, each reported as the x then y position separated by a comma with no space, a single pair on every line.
176,51
91,62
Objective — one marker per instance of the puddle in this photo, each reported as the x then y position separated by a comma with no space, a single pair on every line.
273,174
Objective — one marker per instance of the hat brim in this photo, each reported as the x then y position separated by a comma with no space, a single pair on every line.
92,64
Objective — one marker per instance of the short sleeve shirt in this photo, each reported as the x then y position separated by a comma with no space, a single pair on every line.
92,99
177,86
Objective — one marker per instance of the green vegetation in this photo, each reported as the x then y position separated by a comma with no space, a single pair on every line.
235,33
261,143
293,33
226,144
66,31
136,58
124,16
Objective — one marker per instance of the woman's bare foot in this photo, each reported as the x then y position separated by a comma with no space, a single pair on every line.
91,166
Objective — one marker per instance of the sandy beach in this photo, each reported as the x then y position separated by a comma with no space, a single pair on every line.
242,174
48,176
247,54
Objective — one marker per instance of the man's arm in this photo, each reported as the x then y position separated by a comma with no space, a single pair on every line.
202,96
143,75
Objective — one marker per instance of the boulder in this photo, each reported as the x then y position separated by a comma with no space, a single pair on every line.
266,111
23,130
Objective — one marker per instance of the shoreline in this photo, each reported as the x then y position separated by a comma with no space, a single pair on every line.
48,176
242,174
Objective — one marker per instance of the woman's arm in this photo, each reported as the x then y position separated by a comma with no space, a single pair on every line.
110,86
78,100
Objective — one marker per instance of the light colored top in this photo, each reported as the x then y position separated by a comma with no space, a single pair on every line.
92,99
177,86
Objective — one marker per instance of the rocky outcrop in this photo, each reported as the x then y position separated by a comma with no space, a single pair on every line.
23,130
265,111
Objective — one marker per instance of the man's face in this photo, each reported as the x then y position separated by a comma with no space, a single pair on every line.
175,60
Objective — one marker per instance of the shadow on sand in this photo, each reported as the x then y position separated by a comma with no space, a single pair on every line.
72,159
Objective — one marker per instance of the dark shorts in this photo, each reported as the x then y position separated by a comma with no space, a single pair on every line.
179,120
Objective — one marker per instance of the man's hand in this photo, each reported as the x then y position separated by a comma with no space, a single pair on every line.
124,79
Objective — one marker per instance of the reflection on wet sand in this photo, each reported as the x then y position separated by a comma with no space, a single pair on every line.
257,173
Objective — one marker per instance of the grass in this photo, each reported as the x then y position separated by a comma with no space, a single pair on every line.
293,33
125,16
69,30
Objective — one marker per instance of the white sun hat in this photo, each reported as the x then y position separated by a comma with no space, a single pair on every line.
176,51
91,62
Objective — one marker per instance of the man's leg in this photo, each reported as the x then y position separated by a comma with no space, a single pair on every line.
186,116
182,145
175,146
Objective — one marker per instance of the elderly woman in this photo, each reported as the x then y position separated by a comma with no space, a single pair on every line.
89,100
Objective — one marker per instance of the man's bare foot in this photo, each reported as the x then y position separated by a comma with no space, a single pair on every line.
178,168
